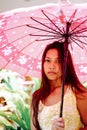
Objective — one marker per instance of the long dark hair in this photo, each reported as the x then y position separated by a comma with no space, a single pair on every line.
44,90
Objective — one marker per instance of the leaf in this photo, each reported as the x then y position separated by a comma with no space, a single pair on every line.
7,83
5,122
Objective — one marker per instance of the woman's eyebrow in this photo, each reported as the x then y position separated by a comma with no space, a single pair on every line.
52,58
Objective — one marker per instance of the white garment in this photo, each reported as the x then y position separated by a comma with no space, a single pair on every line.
70,113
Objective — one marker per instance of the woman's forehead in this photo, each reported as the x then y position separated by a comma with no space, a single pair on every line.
53,53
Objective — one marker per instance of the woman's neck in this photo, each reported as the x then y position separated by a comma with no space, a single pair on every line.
56,83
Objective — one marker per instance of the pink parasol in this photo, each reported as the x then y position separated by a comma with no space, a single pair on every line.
21,52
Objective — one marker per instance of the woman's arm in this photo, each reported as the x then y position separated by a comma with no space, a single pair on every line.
32,126
82,107
31,119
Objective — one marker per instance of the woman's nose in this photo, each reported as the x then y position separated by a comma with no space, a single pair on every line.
52,65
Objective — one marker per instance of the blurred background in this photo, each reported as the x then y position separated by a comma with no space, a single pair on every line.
12,4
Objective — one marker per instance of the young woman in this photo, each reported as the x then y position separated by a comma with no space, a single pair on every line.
45,106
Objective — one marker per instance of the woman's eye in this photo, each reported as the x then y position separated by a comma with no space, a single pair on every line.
47,60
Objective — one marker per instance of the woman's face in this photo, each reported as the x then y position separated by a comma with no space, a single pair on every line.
52,65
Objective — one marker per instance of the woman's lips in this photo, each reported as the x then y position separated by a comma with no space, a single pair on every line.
51,72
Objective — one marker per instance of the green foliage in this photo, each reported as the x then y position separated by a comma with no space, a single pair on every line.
15,115
85,84
21,116
5,122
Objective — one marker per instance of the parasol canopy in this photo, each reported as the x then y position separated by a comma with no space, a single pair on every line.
25,32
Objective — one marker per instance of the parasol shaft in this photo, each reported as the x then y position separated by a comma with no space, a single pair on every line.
64,76
64,64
